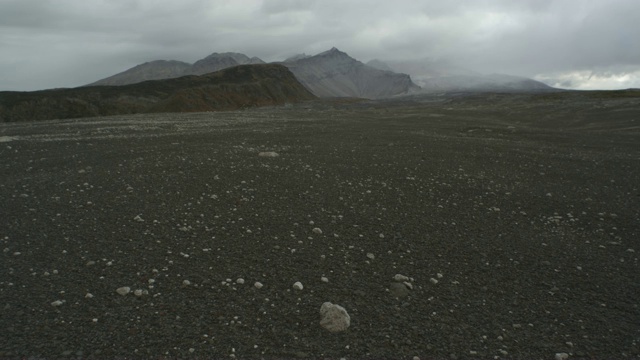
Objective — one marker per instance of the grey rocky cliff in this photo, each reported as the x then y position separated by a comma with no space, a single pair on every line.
333,73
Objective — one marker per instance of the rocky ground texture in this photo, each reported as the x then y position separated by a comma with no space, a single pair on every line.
446,227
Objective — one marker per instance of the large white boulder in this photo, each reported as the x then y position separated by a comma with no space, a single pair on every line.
334,317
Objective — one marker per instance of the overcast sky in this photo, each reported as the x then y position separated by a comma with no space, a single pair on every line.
581,44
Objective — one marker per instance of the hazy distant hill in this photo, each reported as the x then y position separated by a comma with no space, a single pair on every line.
219,61
493,82
153,70
163,69
232,88
333,73
438,76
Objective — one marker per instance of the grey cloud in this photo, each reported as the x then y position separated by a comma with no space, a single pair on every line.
84,40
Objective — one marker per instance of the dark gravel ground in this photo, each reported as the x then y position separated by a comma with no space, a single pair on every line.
526,212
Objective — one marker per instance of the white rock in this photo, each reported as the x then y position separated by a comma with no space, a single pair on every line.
400,278
408,285
123,290
371,256
433,281
298,285
57,303
186,282
258,285
334,317
88,295
138,292
240,281
138,218
324,279
562,356
317,230
270,154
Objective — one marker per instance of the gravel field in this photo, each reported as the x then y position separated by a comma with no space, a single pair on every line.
515,220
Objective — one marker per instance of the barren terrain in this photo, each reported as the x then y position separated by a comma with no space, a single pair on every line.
517,218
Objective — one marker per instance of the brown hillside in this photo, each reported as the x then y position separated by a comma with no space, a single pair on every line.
233,88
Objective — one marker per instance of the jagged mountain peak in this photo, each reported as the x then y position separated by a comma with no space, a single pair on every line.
333,52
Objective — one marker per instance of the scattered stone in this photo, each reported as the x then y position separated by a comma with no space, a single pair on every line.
371,256
400,278
562,356
88,296
91,263
334,317
298,285
138,218
123,290
408,285
57,303
433,281
240,281
324,279
269,154
140,292
186,282
258,285
317,231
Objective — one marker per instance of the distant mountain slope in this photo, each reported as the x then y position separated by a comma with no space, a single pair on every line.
333,73
219,61
163,69
438,76
153,70
233,88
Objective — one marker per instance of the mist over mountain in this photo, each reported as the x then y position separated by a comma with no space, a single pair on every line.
443,76
333,73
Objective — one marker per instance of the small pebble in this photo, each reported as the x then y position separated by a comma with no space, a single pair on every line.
258,285
123,290
324,279
400,278
57,303
186,282
298,285
317,231
240,281
433,281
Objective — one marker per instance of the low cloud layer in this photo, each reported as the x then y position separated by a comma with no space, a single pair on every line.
581,44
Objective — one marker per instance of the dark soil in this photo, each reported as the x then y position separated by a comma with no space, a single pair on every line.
529,209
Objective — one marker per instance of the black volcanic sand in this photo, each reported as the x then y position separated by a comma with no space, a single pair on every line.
527,206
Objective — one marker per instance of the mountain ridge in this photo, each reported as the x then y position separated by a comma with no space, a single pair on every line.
331,73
